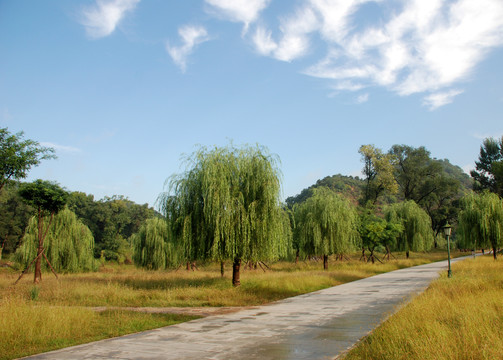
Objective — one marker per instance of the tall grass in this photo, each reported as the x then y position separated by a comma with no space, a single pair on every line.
456,318
28,328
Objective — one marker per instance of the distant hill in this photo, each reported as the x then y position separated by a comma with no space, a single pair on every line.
352,187
349,186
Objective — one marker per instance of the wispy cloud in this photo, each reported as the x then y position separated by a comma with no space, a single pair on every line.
102,18
420,46
294,41
436,100
191,37
362,98
245,11
62,148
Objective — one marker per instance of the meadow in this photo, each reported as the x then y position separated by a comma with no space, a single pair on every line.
454,319
58,313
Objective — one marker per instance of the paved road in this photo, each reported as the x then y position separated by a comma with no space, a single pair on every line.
318,325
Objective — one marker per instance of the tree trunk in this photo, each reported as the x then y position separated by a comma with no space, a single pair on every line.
494,252
235,272
222,268
38,270
297,256
325,262
407,254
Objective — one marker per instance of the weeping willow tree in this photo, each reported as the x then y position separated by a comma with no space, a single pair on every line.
417,234
68,245
226,206
481,221
326,224
151,246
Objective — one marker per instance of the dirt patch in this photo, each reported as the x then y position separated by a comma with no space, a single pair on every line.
198,311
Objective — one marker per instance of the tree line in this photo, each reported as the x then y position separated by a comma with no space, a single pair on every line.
226,207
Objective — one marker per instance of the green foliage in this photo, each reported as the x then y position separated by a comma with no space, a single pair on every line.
481,221
417,234
14,217
377,232
226,205
489,169
69,244
326,224
112,221
348,186
18,156
151,246
46,196
378,171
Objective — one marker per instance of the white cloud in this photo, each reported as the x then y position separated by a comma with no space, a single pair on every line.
362,98
245,11
62,148
420,46
101,19
191,37
294,41
436,100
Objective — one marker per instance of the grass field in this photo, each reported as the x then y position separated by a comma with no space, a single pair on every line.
454,319
56,313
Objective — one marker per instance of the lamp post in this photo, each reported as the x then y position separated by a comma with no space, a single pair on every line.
447,232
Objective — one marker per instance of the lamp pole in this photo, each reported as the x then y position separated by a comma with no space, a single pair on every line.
447,232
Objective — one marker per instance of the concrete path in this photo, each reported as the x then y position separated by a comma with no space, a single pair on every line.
318,325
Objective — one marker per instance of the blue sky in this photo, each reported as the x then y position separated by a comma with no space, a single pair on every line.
122,88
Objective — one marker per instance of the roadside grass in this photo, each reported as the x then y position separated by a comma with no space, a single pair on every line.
55,314
27,328
456,318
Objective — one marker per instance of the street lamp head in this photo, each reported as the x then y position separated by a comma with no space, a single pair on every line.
447,229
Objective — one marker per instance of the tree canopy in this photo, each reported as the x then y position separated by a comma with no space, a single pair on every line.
18,156
417,234
489,168
226,206
68,244
378,172
326,224
481,221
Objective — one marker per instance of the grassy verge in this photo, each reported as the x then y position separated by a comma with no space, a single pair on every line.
457,318
27,329
53,315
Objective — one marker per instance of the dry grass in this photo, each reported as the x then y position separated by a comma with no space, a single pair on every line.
457,318
54,314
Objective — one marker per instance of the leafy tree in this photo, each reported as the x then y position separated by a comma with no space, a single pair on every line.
151,246
417,234
377,232
326,224
48,198
68,243
112,221
415,172
489,169
378,171
18,156
226,206
481,221
14,218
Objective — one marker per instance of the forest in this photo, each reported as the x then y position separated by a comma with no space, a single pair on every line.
227,206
